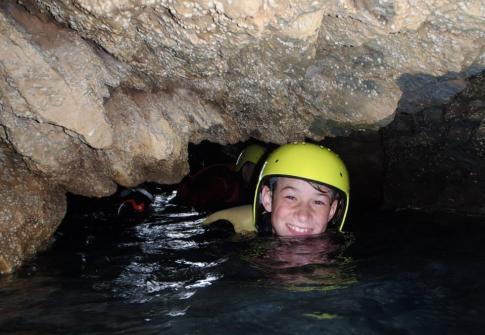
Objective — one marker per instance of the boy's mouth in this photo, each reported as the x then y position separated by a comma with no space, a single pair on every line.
295,230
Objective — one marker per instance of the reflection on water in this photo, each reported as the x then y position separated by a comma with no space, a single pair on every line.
398,273
313,263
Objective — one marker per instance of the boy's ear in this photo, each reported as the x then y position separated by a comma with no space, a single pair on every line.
266,198
333,209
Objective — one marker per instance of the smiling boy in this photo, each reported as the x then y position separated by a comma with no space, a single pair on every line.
302,189
298,207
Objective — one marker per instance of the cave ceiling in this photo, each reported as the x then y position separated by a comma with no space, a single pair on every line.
119,88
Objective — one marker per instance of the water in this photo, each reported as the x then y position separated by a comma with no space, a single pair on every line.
398,273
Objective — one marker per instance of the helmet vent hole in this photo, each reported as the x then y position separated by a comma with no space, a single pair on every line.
341,174
276,161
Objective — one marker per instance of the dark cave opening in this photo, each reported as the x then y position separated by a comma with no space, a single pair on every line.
362,154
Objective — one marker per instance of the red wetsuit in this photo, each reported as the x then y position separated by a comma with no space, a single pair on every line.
215,186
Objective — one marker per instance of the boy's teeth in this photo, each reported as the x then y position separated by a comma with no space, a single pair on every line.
299,229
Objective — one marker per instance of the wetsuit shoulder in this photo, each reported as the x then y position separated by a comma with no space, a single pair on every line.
241,218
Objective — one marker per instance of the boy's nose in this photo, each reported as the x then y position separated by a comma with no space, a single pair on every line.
303,213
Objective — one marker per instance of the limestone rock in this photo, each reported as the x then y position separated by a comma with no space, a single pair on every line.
287,69
30,210
52,94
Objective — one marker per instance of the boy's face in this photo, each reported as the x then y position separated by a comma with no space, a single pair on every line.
298,208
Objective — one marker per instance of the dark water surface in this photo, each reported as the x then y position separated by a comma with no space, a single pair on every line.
398,273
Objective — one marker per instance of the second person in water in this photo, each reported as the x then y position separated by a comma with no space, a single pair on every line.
222,185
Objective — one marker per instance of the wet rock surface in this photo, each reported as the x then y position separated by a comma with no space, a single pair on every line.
436,156
95,94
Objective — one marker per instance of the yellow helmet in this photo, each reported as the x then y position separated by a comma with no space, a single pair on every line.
252,154
311,162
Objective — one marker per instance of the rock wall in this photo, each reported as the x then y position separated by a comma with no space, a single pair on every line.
30,211
436,156
99,93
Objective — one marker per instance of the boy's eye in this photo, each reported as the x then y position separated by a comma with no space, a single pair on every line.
290,197
319,203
